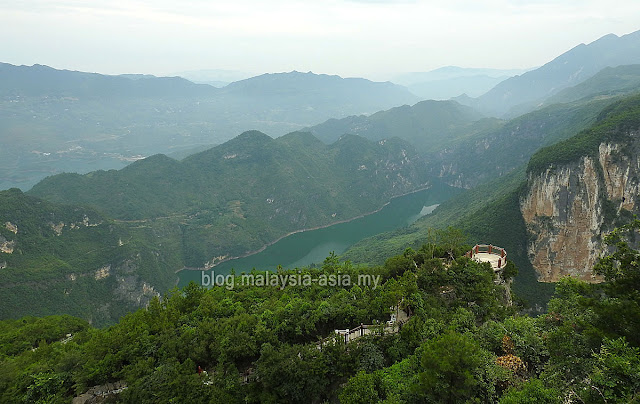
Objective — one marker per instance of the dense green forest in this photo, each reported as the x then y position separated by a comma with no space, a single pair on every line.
613,123
463,342
239,196
74,260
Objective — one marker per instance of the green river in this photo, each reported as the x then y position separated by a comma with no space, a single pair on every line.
313,246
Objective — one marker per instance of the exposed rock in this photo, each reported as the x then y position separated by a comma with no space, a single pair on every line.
565,210
3,265
215,261
619,170
101,394
103,272
57,228
86,222
131,288
11,227
7,246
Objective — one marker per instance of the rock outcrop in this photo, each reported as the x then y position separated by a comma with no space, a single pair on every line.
568,208
7,246
106,393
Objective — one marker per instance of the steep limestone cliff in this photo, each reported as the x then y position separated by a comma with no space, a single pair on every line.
569,207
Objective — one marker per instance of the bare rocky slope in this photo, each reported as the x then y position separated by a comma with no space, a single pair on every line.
578,190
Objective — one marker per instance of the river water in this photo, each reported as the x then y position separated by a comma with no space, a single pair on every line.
313,246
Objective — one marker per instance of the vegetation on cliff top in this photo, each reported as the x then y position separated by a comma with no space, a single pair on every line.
259,344
616,122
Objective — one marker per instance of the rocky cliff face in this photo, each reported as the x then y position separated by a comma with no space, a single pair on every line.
568,208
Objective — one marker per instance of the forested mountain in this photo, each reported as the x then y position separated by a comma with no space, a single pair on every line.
242,232
268,177
552,216
523,93
245,193
68,259
460,340
428,125
465,149
159,215
56,120
489,154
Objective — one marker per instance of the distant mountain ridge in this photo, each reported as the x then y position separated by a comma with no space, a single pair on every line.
525,91
53,121
452,72
608,82
40,80
452,81
274,83
428,125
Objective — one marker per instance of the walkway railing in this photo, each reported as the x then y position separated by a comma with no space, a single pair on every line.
349,334
500,252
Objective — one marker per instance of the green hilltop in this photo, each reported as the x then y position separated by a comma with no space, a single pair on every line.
245,193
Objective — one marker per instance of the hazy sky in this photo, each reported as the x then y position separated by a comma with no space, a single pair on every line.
369,38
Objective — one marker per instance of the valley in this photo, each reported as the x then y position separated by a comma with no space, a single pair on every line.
312,246
123,196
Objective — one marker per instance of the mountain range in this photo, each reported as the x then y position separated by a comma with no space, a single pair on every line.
123,234
452,81
55,120
523,93
550,213
428,125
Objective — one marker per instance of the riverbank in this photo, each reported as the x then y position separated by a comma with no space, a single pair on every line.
264,247
307,247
